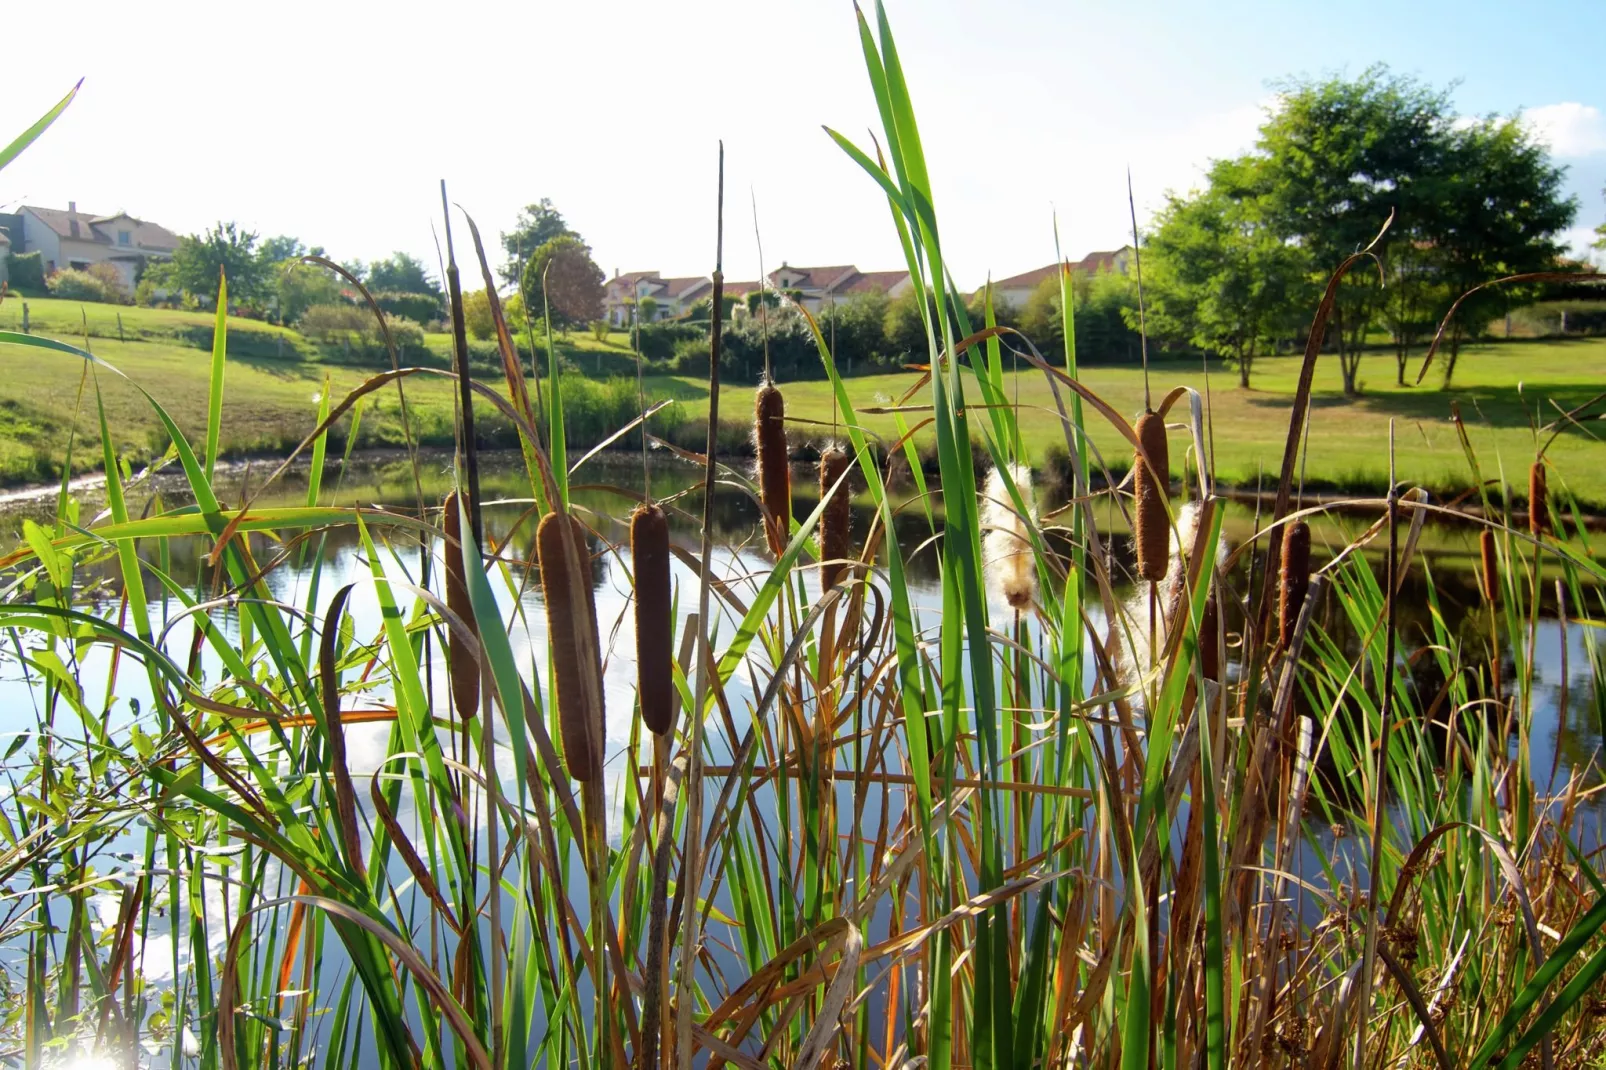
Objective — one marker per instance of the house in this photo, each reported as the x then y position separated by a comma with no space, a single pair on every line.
73,239
1018,289
671,298
816,288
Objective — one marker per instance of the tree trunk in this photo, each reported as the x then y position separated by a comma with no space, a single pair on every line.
1455,353
1246,361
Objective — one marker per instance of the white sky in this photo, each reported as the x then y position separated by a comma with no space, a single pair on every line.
334,121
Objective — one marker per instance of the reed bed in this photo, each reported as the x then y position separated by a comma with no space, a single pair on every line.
1038,823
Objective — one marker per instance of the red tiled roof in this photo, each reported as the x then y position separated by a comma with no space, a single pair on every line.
1091,264
879,282
816,278
740,289
685,287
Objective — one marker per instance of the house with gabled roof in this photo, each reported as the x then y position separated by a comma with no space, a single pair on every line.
816,288
73,239
1018,289
671,297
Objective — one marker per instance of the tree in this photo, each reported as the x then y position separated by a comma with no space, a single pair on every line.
1337,157
1040,319
401,273
300,286
1217,277
572,286
537,224
225,248
282,247
477,315
1501,210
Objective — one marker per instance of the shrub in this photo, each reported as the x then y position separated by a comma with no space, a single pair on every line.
27,271
421,308
658,340
599,330
477,315
73,285
357,334
116,285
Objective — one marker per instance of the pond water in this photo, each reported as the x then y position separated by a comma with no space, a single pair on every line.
1566,730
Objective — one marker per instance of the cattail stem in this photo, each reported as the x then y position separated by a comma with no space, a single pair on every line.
649,556
1151,478
1294,579
774,469
461,665
834,545
1538,500
571,614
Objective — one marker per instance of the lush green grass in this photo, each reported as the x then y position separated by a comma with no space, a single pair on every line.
1348,438
68,319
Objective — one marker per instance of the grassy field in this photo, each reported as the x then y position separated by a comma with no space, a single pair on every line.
1348,438
271,403
56,318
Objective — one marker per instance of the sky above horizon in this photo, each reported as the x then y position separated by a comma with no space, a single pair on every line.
335,122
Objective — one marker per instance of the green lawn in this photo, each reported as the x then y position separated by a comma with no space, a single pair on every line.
1348,438
67,319
270,403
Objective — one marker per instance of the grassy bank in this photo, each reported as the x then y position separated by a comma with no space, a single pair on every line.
1502,390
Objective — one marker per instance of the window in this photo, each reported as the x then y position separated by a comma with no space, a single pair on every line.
79,265
124,238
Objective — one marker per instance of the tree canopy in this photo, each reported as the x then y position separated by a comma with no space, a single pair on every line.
401,273
572,286
224,249
1241,264
537,224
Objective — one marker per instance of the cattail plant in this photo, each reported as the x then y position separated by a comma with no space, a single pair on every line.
461,665
834,546
571,616
1486,552
1006,546
1538,500
649,555
1293,579
1151,480
774,471
1209,648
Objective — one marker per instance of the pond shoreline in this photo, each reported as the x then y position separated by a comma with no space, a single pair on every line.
23,497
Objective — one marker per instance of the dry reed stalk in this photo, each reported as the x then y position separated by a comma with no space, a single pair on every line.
655,630
1152,485
774,469
834,545
571,616
1486,551
1538,500
461,665
1293,579
1006,544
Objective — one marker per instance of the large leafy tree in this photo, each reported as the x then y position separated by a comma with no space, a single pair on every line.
1500,211
537,224
562,277
1217,276
401,273
227,249
1338,157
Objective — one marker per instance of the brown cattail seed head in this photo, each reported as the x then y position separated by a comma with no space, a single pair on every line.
571,617
1486,551
774,467
461,665
1538,500
1295,579
834,546
649,557
1209,647
1152,528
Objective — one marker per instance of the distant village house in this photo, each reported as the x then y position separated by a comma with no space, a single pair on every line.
1018,289
815,288
76,240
